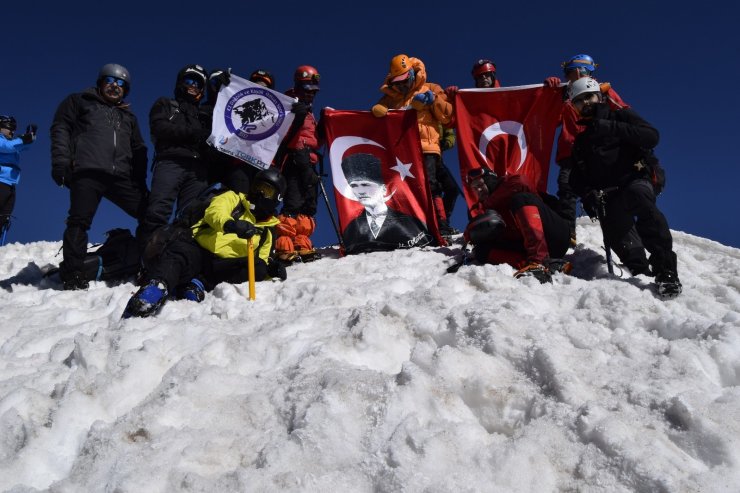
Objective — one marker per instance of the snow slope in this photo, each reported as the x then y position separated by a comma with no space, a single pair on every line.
377,372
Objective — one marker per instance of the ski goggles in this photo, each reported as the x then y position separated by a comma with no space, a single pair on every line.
266,190
583,71
114,80
193,82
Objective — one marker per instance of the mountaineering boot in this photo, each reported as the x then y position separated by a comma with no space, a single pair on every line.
667,285
193,291
538,271
147,300
74,281
558,265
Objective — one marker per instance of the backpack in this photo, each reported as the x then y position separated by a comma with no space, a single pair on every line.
116,259
655,172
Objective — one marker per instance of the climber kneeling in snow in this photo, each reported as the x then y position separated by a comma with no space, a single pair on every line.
513,223
217,250
617,177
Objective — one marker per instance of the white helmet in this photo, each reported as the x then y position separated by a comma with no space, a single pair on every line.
582,85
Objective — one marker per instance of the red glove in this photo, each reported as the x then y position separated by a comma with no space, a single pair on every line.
450,92
552,82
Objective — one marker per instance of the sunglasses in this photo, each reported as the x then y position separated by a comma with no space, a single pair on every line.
265,190
114,80
193,82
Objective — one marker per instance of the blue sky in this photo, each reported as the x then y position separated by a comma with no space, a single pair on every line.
677,67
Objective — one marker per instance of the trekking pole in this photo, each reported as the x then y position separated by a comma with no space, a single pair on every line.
250,265
326,201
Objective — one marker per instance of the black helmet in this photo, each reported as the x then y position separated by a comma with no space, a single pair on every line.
117,71
8,122
267,191
195,72
260,75
191,73
486,228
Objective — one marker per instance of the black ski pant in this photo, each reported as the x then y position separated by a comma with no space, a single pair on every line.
434,170
183,260
238,177
450,188
86,190
302,192
568,198
173,181
632,208
179,262
7,204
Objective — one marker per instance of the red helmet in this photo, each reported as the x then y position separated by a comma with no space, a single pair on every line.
307,77
483,66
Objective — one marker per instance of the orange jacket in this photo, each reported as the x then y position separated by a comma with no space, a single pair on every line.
429,117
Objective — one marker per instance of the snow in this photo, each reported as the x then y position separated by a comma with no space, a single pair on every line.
377,372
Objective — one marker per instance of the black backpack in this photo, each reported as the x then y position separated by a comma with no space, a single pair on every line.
116,259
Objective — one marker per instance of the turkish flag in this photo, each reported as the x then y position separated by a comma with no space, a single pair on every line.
509,130
380,185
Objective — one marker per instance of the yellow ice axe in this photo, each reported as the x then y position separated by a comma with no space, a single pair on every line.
250,265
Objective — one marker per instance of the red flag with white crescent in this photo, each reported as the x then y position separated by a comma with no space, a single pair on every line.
509,130
380,186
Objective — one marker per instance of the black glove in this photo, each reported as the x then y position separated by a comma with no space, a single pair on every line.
28,138
200,135
242,229
32,128
591,203
219,78
59,175
276,269
300,109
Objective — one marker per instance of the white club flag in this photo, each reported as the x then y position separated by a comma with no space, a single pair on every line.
250,121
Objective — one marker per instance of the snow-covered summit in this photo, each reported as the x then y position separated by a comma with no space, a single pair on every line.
377,372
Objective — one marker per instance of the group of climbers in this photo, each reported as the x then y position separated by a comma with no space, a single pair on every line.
604,153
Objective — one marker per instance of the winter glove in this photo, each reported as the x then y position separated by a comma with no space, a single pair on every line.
28,138
242,229
31,129
379,110
591,203
422,100
300,109
276,269
59,175
553,82
219,78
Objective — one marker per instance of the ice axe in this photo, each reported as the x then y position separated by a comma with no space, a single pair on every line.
250,268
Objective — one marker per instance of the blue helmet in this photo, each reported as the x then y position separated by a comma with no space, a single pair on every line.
580,61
